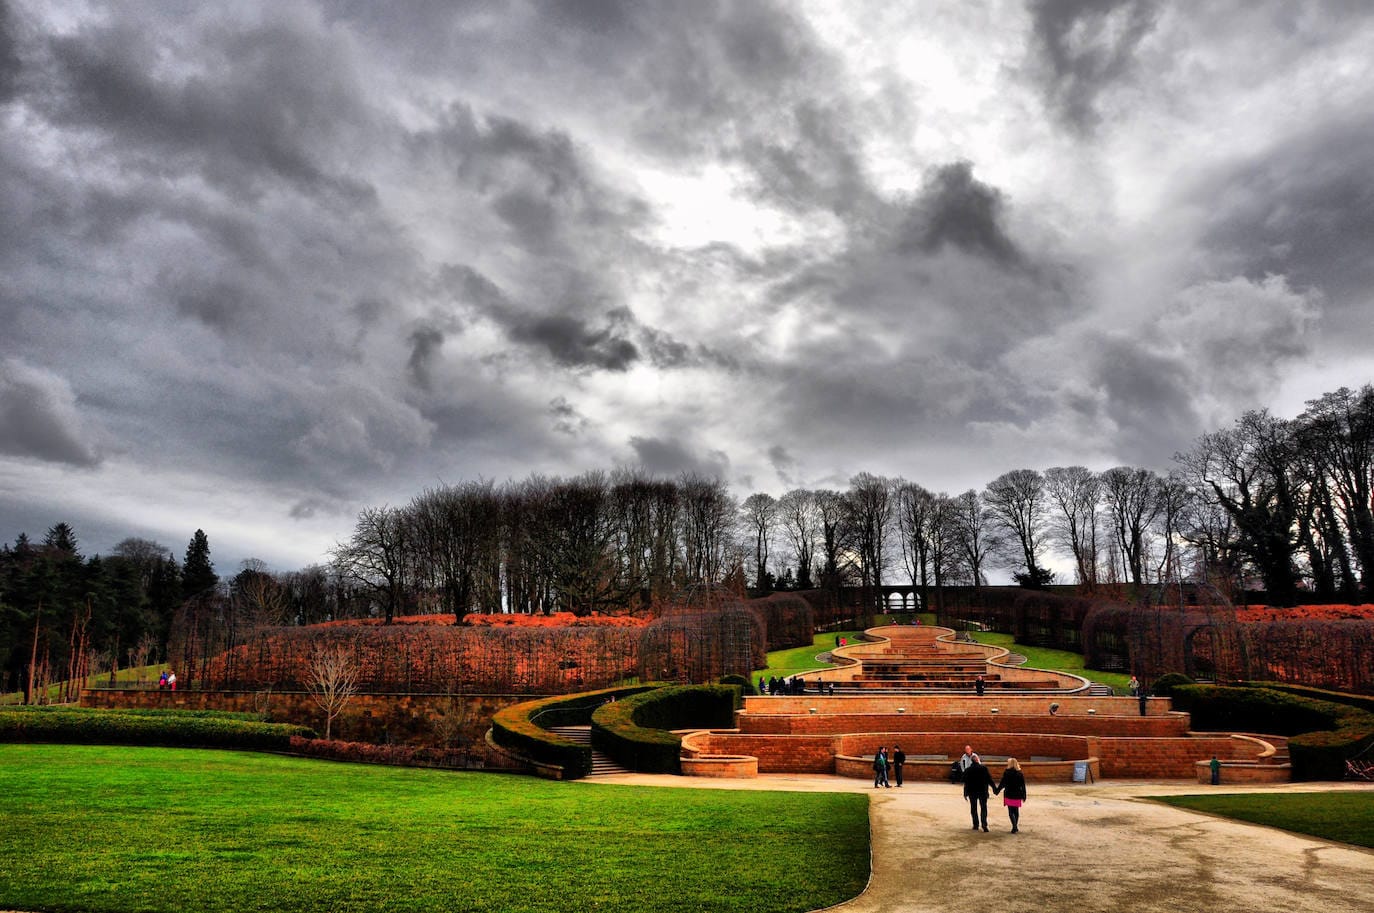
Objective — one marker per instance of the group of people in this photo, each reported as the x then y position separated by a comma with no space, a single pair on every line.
883,762
978,781
794,685
167,681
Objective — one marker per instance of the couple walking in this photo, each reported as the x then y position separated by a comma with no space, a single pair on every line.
977,782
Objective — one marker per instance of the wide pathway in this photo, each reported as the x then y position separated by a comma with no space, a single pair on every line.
1082,849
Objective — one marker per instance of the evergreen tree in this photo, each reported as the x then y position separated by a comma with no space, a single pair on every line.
198,575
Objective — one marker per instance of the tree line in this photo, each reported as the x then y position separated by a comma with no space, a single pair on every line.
1278,504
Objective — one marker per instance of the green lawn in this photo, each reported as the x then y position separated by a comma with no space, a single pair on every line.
783,663
147,829
1346,817
1061,660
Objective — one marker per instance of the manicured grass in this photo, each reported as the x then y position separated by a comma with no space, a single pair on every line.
783,663
145,829
1346,817
1060,660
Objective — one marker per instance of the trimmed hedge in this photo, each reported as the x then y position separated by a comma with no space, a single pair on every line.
88,726
520,728
393,755
636,733
1324,735
1362,701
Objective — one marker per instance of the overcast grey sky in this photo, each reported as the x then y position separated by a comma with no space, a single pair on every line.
263,264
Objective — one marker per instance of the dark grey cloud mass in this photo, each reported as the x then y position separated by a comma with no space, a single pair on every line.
1084,47
279,261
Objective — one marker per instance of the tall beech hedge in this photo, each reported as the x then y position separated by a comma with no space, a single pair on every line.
1323,734
523,728
87,726
635,731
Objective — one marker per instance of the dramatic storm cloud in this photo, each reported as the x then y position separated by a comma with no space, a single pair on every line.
262,264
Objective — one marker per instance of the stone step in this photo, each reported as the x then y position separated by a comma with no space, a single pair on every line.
582,735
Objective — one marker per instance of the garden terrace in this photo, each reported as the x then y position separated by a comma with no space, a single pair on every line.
839,734
914,658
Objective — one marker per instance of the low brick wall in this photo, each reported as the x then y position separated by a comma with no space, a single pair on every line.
1017,704
938,771
1237,773
722,766
1175,724
1173,759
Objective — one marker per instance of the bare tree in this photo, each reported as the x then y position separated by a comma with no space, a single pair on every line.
333,681
759,514
1017,500
1075,493
832,513
1247,470
706,519
870,513
973,535
800,521
377,557
1133,500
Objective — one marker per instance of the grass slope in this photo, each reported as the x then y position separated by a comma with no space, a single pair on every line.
784,663
1060,660
1346,817
145,829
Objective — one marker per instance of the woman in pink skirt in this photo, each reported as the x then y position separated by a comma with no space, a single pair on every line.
1013,787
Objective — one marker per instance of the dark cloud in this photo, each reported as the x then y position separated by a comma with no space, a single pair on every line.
1303,209
575,344
425,342
39,418
216,114
956,209
10,64
1083,47
667,456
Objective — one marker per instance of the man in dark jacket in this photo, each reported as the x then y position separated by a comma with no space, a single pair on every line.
977,782
898,762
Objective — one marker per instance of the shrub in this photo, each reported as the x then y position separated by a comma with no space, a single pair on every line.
521,728
1164,685
745,685
369,753
193,729
636,732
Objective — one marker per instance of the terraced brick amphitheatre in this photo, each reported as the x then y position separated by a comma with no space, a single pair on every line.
913,687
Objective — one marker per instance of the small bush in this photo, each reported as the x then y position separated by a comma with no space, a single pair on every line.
192,729
745,685
1164,685
636,732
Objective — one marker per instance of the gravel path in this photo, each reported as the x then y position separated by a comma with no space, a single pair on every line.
1083,849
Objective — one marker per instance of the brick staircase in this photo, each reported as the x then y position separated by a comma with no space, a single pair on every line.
602,765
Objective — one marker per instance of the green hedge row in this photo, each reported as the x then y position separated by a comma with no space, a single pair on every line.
1363,701
523,728
635,731
89,726
1323,734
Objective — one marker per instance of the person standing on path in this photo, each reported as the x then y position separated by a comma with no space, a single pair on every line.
1216,771
880,768
1013,787
977,782
964,761
979,685
898,762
